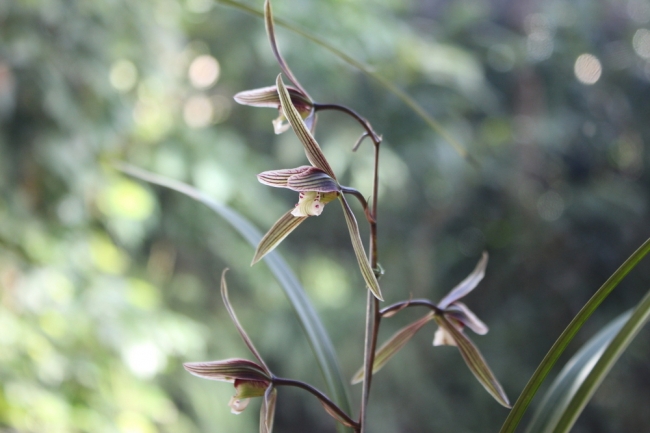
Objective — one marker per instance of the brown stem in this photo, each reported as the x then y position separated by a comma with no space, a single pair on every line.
279,381
373,318
362,200
410,303
366,125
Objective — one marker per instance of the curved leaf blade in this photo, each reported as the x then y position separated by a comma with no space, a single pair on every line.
574,372
614,350
312,326
522,403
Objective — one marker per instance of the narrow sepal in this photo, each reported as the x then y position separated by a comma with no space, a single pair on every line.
280,230
270,31
393,345
464,315
357,244
233,317
228,370
262,97
467,285
312,149
474,361
267,411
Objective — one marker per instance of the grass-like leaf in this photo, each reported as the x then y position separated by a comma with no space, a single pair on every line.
388,85
357,245
475,361
572,375
393,345
614,350
313,327
522,403
280,230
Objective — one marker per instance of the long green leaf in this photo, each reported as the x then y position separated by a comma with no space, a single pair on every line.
309,320
518,410
388,85
572,375
614,350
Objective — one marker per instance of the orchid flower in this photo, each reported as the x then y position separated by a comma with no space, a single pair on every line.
251,379
269,96
317,186
457,313
452,316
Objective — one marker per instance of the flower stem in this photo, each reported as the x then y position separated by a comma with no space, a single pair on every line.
373,318
366,125
410,303
325,400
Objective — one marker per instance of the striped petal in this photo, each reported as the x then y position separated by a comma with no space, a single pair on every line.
228,370
267,411
312,179
467,285
474,361
312,149
393,345
240,328
280,178
270,31
357,244
280,230
464,315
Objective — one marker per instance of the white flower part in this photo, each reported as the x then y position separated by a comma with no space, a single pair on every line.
443,338
309,204
280,124
237,405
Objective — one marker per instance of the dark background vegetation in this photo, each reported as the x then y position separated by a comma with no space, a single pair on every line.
108,284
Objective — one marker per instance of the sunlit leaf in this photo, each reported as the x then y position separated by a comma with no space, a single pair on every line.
280,230
475,361
393,345
357,244
315,331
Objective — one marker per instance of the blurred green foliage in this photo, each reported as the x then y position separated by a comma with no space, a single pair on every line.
107,285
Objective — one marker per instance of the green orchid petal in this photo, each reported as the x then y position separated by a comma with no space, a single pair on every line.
312,149
357,244
270,31
392,346
474,361
268,97
240,329
267,411
228,370
280,230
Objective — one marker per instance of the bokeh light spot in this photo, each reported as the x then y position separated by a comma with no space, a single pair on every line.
641,43
123,75
198,111
587,69
550,206
204,71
